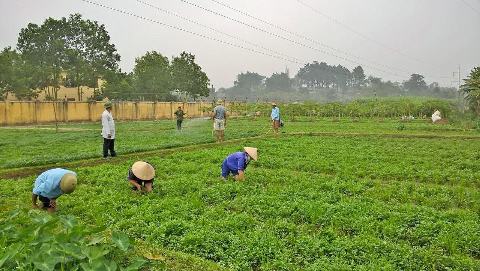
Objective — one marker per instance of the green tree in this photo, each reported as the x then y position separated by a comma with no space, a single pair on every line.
247,85
358,77
92,55
16,76
471,88
119,86
152,77
188,77
69,51
279,82
416,83
43,47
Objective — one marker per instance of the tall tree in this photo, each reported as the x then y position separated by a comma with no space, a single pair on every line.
119,86
415,83
16,76
471,88
152,77
43,47
188,77
76,50
358,77
279,82
248,84
94,56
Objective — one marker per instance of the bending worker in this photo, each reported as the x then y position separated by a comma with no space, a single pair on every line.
236,163
141,175
50,185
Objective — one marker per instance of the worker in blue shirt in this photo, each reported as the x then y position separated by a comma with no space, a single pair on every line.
236,163
275,117
50,185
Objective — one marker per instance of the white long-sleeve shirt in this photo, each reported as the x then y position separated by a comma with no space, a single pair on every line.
108,125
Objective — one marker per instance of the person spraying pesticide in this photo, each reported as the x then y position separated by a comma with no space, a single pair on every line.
180,115
50,185
236,163
141,176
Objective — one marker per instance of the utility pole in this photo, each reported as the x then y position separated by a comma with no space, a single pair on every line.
459,85
460,94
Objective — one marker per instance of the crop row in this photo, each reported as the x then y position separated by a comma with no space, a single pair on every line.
310,203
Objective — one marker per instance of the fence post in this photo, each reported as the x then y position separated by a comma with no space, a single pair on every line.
65,111
6,112
35,113
155,110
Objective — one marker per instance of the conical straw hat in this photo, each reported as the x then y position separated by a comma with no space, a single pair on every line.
68,183
252,152
143,170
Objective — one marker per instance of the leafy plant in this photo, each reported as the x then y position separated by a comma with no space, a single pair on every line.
36,240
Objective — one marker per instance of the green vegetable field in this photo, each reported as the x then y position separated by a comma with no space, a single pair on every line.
324,195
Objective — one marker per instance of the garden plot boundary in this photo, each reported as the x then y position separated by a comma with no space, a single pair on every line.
36,112
22,172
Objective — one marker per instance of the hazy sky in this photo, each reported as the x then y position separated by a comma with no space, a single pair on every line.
390,38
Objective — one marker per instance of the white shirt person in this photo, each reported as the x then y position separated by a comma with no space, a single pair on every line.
108,131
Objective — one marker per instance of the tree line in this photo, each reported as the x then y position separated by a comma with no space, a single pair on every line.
76,52
320,81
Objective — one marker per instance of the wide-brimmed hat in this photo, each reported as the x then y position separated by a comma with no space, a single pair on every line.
252,152
143,170
68,183
219,102
108,104
274,104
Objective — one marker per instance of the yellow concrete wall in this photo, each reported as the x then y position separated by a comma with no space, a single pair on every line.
23,112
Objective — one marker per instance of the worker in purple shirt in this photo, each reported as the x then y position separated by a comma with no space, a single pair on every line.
236,163
50,185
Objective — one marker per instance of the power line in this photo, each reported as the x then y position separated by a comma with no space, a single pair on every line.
364,36
298,35
187,31
288,39
349,28
470,6
217,31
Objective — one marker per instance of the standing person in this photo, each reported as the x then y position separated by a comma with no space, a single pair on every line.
219,117
141,175
275,117
108,131
179,114
236,163
50,185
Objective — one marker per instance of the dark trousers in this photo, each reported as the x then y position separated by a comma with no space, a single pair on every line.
109,144
179,124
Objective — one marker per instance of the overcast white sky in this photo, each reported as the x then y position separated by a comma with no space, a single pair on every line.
399,37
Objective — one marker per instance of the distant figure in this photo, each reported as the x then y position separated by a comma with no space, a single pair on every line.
108,131
236,163
50,185
436,116
219,117
179,114
275,117
141,175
